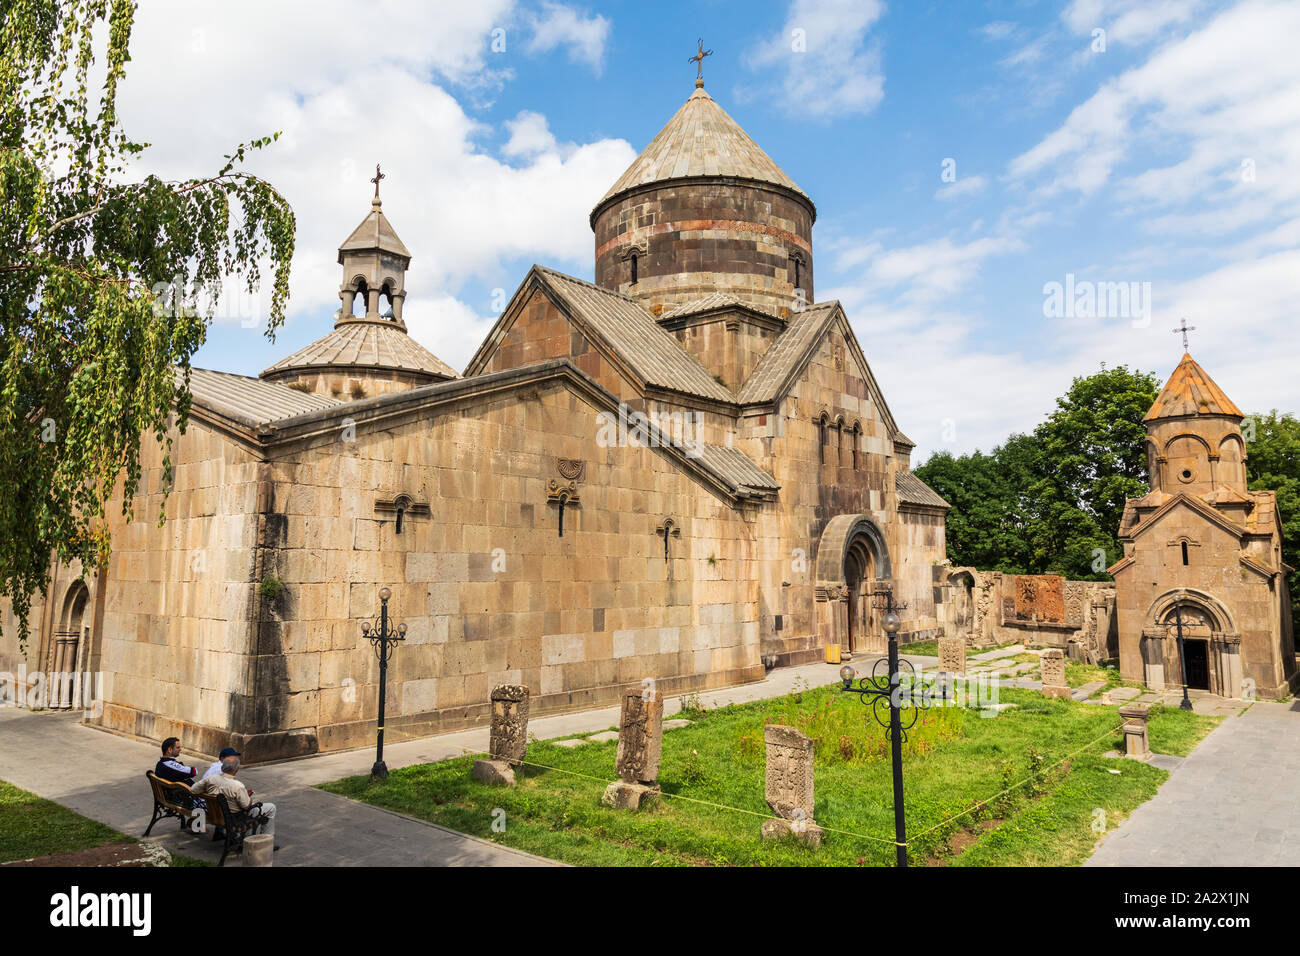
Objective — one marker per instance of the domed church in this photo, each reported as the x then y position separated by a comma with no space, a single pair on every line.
683,473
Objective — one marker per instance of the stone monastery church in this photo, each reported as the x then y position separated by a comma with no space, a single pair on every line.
685,472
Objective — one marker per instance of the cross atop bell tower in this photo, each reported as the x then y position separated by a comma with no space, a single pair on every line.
374,265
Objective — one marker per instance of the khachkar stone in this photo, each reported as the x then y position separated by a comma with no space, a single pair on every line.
1136,744
789,785
509,735
1053,671
640,739
952,655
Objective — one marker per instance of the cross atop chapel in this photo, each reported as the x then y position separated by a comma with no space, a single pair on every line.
1184,328
698,60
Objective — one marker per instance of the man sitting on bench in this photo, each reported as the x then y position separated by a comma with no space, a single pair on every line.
237,795
169,767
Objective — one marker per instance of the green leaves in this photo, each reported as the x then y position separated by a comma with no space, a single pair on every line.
1273,464
89,353
1051,502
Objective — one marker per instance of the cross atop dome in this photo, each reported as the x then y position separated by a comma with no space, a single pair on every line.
698,60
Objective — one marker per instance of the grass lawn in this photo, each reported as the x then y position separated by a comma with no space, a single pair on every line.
1077,674
712,774
31,826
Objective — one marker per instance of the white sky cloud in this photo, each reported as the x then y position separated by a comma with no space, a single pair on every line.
562,26
461,210
828,61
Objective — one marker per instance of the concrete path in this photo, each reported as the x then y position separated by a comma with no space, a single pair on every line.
1235,801
101,776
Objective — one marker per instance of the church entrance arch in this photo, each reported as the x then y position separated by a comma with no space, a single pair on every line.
1211,643
64,681
852,562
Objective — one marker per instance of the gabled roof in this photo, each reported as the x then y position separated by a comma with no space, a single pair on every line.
366,344
375,232
1190,391
1191,501
715,302
251,401
702,140
623,326
912,490
787,355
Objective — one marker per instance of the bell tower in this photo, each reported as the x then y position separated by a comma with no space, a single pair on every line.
374,265
1194,439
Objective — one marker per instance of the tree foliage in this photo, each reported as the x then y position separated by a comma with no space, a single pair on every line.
1051,501
93,359
1273,464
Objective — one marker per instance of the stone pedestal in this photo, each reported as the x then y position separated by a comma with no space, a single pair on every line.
623,795
258,849
1053,672
788,780
804,831
494,771
1135,718
952,655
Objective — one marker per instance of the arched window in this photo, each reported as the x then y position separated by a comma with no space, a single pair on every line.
633,258
821,438
1184,552
857,445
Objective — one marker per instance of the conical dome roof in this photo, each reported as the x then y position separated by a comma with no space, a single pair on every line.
1190,391
374,233
702,140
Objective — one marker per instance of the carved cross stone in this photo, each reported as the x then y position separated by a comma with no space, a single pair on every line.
788,780
509,736
640,741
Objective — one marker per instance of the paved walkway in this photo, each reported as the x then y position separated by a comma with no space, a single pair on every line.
1235,801
101,776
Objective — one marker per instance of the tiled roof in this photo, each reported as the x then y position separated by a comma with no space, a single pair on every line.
632,332
786,354
1190,391
913,490
701,140
375,232
250,399
736,467
367,344
714,300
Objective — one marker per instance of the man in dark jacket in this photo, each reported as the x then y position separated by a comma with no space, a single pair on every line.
169,766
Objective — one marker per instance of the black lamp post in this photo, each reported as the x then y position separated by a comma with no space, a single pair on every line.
1182,656
877,689
385,641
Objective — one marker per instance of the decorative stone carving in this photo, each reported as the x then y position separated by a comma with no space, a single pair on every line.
571,469
952,655
508,739
1136,744
640,740
789,785
1053,672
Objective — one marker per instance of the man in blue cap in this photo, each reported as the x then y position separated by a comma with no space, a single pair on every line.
216,765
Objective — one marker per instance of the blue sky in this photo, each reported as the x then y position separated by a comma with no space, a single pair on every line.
963,157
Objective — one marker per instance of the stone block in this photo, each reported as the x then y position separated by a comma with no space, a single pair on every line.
493,772
952,655
803,831
258,850
627,795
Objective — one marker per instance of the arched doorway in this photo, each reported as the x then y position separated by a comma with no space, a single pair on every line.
70,641
1211,643
852,562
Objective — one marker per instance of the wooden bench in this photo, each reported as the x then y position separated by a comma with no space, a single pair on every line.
174,799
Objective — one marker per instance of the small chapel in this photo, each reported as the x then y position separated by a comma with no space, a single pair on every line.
1202,570
679,475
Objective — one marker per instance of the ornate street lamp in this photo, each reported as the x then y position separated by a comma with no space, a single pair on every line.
1182,656
879,689
384,640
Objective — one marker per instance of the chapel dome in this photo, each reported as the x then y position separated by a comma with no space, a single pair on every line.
704,209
